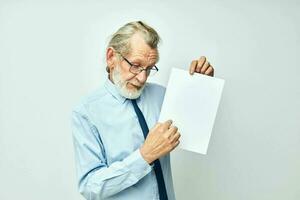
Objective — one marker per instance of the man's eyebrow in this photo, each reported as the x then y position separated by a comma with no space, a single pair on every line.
138,60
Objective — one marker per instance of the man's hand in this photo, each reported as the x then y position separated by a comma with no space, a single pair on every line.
161,139
201,66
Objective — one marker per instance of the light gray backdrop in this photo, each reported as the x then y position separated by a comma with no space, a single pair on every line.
52,53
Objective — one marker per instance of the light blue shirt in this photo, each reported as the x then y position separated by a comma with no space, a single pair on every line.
107,137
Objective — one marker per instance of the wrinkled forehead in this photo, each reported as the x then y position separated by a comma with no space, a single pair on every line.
140,50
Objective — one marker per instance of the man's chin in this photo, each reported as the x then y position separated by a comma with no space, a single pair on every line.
135,90
132,92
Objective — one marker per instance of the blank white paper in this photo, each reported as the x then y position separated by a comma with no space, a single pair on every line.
192,101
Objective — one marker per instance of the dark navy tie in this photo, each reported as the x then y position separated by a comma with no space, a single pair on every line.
157,167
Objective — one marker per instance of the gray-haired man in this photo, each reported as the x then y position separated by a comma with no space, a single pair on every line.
117,156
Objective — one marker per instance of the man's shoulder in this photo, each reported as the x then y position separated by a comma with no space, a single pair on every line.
95,96
155,88
155,93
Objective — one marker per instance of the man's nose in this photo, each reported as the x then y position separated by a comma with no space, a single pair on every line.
142,76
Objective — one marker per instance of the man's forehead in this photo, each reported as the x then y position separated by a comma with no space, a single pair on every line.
141,50
144,54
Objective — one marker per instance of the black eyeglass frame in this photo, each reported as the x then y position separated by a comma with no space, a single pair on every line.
139,69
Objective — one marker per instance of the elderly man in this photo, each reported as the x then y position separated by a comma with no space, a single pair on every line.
117,156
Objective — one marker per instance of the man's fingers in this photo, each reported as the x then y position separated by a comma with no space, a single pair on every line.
201,66
166,125
175,137
200,63
193,66
172,130
205,67
176,144
210,71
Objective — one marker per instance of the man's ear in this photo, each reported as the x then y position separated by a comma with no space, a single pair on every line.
110,58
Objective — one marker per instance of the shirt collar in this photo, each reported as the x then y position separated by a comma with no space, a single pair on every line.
112,89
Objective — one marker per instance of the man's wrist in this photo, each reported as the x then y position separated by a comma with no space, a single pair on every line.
144,155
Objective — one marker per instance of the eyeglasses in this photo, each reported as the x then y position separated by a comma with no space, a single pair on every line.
135,69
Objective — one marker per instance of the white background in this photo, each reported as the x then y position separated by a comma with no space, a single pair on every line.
52,53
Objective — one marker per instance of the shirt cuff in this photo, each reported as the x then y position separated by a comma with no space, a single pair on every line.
137,164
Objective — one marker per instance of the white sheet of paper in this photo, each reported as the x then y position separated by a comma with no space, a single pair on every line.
192,101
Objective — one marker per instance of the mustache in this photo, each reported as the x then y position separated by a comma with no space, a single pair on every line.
137,84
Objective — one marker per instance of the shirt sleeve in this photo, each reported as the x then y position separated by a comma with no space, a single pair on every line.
97,180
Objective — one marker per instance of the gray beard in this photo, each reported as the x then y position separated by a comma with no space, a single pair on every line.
121,85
